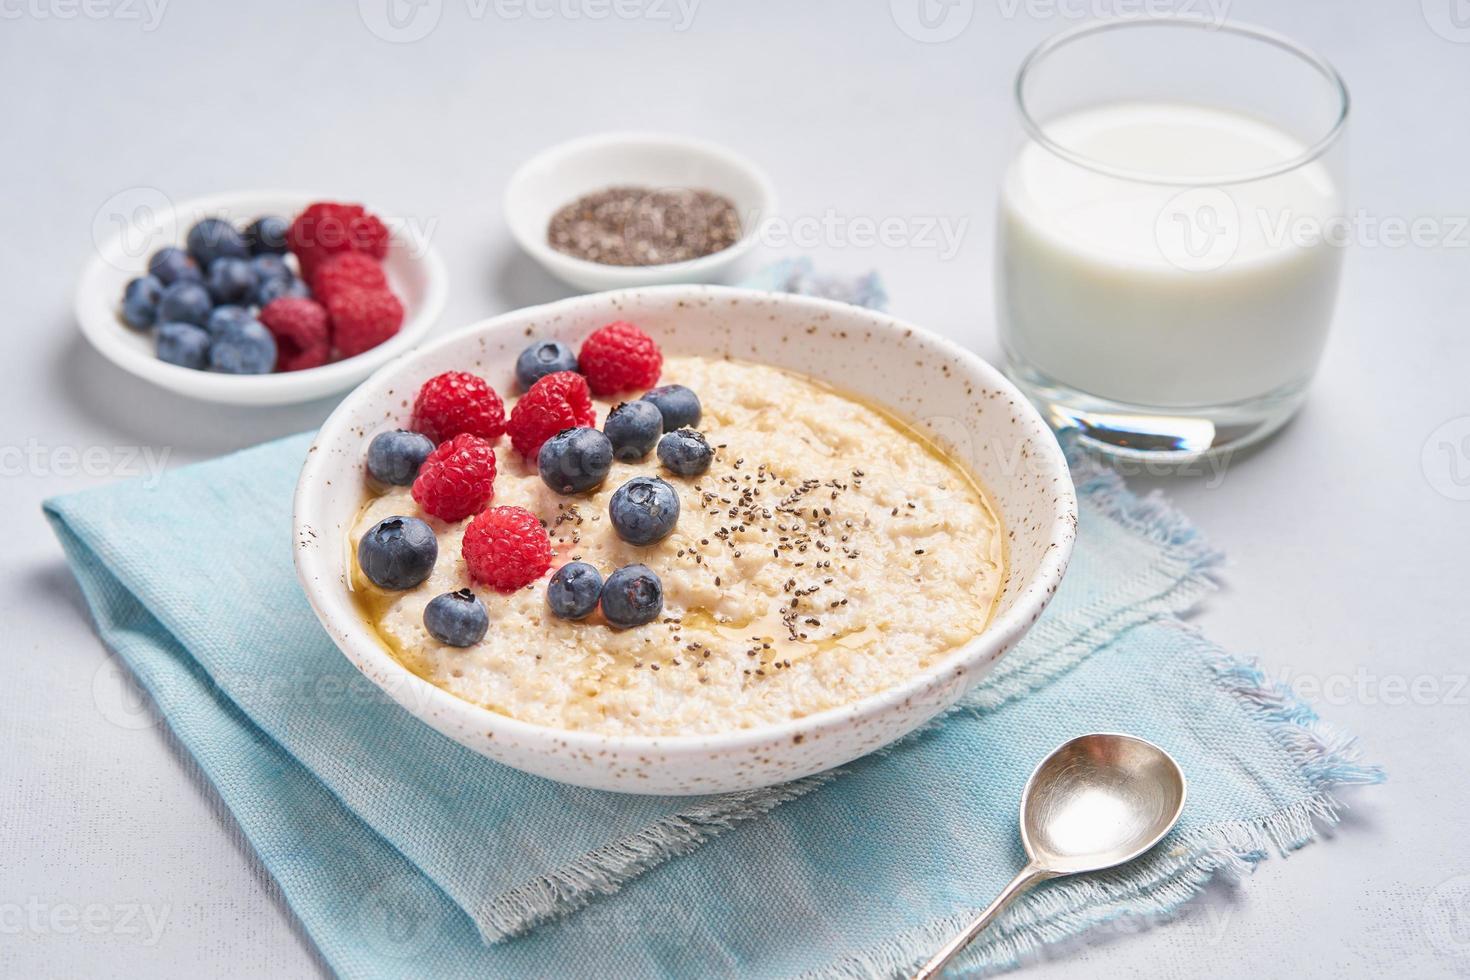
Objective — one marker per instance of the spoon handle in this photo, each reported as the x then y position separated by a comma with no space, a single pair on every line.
1030,875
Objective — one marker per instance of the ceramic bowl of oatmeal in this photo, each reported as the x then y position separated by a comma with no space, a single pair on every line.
883,516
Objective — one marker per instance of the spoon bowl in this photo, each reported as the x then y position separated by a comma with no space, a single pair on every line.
1099,801
1096,802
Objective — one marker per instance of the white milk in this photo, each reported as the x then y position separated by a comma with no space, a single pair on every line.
1167,295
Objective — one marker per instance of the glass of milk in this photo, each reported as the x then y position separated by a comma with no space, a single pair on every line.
1170,233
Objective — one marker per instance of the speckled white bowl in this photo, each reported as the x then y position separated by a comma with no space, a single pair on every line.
964,403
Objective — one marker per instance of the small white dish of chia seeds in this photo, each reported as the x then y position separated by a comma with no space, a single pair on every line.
617,210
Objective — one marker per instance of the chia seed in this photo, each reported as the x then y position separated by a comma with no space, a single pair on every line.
642,226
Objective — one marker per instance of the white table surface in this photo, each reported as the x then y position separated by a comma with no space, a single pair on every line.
1348,558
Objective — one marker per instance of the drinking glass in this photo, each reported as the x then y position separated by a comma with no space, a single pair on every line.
1171,232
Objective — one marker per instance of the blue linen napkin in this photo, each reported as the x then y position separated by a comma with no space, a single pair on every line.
399,850
402,852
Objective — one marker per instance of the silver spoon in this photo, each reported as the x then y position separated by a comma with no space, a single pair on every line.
1096,802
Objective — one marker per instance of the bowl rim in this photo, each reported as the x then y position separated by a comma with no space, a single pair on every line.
109,337
316,576
629,276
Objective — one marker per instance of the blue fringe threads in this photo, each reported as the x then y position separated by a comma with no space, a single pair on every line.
1154,888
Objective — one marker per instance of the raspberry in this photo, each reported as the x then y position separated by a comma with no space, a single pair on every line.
506,548
326,228
457,478
455,402
300,327
559,400
619,357
362,320
346,271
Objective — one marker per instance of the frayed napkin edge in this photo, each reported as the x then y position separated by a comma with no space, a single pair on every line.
605,869
1154,889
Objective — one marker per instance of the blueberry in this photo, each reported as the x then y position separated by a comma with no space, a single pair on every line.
215,238
395,457
457,619
223,319
575,460
574,590
170,265
246,348
270,289
677,404
632,596
268,265
183,344
685,452
140,301
644,510
273,279
231,281
633,428
541,359
397,552
267,235
185,302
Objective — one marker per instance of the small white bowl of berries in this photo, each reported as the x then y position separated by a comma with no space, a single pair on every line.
259,298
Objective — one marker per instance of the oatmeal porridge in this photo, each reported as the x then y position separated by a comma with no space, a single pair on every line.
828,552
